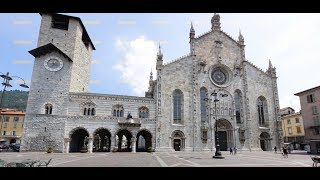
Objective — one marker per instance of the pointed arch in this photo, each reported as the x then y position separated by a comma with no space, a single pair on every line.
143,112
262,108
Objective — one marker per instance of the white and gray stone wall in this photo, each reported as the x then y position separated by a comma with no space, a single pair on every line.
42,131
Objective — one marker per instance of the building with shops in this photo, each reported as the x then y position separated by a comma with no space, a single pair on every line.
292,127
11,125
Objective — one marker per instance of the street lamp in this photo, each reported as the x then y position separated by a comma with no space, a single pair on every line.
217,154
6,83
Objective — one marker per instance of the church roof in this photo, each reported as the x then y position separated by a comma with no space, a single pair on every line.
227,35
45,49
85,33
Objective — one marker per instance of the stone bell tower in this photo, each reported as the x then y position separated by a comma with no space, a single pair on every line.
62,65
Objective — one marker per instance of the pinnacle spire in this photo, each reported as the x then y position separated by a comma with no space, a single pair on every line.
270,65
191,28
240,37
159,54
151,75
192,32
215,22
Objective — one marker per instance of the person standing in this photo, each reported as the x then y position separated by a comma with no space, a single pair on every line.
275,149
231,150
235,150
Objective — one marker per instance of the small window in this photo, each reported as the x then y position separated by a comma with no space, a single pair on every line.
143,112
314,110
60,22
6,119
298,129
16,119
118,110
310,98
15,125
204,135
316,120
48,109
4,133
297,120
5,125
288,121
289,130
13,133
317,131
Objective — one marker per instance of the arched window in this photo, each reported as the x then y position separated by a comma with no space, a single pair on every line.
262,110
143,112
177,106
89,108
238,101
203,103
118,110
48,109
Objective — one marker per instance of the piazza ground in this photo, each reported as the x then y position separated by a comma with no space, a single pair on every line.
164,159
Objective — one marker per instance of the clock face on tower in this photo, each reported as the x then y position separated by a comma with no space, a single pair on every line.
53,64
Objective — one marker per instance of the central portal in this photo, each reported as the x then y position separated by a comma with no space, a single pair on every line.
223,141
177,144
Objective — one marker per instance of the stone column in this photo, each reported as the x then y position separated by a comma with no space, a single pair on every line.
90,144
66,145
133,144
113,142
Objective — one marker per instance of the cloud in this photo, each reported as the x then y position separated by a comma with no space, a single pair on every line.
22,22
22,62
127,22
96,61
160,22
19,81
22,42
95,81
139,56
91,22
96,42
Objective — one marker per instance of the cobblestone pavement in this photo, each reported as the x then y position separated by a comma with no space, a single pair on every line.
164,159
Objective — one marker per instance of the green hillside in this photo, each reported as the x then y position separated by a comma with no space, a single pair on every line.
15,99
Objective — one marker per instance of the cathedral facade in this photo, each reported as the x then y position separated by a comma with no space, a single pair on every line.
210,96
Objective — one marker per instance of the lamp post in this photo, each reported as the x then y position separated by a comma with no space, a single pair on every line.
6,83
217,154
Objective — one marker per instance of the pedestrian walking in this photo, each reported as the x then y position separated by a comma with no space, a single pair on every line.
275,149
235,150
231,150
285,152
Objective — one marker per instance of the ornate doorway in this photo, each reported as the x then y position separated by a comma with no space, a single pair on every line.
178,140
225,134
265,143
